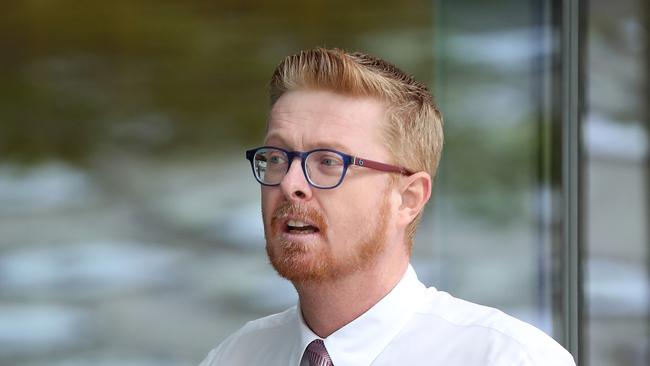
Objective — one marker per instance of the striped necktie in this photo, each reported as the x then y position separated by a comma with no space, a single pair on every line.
317,354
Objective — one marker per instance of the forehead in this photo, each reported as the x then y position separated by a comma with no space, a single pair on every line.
304,120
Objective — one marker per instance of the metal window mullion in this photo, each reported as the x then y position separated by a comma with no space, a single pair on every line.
571,170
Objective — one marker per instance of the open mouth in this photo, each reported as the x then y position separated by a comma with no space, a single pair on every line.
300,227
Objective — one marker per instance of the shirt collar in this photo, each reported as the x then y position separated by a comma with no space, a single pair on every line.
362,340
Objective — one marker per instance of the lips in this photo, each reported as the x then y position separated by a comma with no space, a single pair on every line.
294,226
297,221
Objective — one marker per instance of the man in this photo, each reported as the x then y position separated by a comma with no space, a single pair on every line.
351,149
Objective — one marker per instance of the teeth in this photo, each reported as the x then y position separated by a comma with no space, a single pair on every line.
296,223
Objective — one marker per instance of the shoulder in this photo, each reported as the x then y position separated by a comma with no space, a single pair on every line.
501,338
260,334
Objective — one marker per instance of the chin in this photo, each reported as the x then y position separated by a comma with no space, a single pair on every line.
297,263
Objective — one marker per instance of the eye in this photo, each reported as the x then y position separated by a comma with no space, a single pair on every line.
331,161
276,159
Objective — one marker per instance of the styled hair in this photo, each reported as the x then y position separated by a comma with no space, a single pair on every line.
412,131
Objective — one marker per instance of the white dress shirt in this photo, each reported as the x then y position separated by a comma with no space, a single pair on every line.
412,325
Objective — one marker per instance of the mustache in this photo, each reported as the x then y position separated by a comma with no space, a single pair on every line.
299,212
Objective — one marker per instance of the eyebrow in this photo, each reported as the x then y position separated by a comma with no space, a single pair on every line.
319,144
331,145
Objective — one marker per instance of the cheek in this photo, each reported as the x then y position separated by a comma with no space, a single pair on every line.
269,202
364,206
352,216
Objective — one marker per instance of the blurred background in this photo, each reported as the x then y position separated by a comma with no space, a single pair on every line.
130,229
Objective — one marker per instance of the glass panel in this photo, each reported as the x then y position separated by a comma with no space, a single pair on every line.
129,221
130,229
493,207
617,199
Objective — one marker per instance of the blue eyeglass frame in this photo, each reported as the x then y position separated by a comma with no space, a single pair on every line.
347,161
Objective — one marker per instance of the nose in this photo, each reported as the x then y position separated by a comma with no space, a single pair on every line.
294,185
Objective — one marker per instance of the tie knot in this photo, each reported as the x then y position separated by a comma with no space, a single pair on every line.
317,354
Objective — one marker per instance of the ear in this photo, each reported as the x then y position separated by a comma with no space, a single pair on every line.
415,191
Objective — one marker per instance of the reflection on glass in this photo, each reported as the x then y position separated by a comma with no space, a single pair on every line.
492,205
130,228
617,143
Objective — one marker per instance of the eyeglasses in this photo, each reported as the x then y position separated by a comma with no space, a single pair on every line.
323,168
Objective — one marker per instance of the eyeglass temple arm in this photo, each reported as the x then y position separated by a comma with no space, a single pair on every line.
380,166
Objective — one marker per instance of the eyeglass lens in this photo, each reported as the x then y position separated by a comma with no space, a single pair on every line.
323,168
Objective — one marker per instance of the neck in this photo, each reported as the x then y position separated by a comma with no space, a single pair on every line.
329,306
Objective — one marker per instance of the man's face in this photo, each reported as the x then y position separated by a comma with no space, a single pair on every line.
348,226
